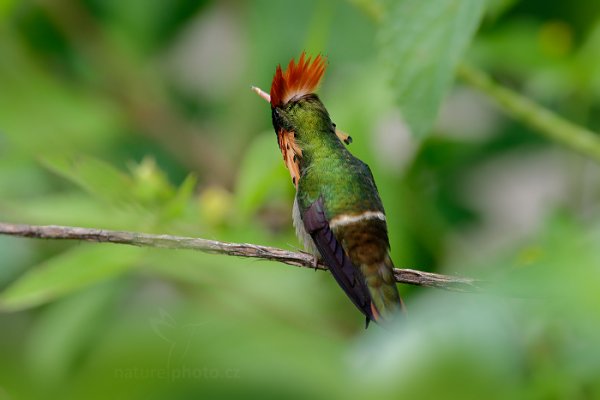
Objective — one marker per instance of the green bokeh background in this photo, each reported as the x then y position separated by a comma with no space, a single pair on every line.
137,115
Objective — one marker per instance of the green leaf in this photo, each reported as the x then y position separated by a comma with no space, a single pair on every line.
78,209
422,43
177,205
64,331
151,185
262,176
97,177
66,273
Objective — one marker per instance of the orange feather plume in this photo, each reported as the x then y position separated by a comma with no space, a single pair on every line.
291,154
297,80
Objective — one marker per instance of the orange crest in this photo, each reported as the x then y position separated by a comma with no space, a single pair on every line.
297,80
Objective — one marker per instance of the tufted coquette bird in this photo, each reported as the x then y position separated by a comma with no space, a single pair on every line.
337,212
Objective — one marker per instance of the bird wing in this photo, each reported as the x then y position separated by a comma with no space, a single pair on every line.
345,273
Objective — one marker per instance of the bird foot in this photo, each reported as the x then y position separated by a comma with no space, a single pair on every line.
315,262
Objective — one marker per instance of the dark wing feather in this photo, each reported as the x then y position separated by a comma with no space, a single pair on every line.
344,272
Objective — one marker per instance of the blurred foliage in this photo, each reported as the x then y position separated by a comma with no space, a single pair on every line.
138,116
423,45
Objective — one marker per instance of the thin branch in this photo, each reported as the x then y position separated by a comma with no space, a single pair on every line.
539,118
298,259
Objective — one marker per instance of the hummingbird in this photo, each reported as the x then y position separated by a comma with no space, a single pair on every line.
337,212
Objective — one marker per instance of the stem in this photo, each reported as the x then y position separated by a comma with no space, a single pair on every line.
298,259
539,118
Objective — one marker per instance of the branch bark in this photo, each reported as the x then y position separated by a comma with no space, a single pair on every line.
298,259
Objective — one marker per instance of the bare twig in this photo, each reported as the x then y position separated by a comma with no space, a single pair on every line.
298,259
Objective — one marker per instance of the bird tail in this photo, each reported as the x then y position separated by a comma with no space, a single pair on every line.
385,299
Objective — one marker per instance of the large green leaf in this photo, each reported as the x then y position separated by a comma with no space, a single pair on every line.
67,272
421,44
